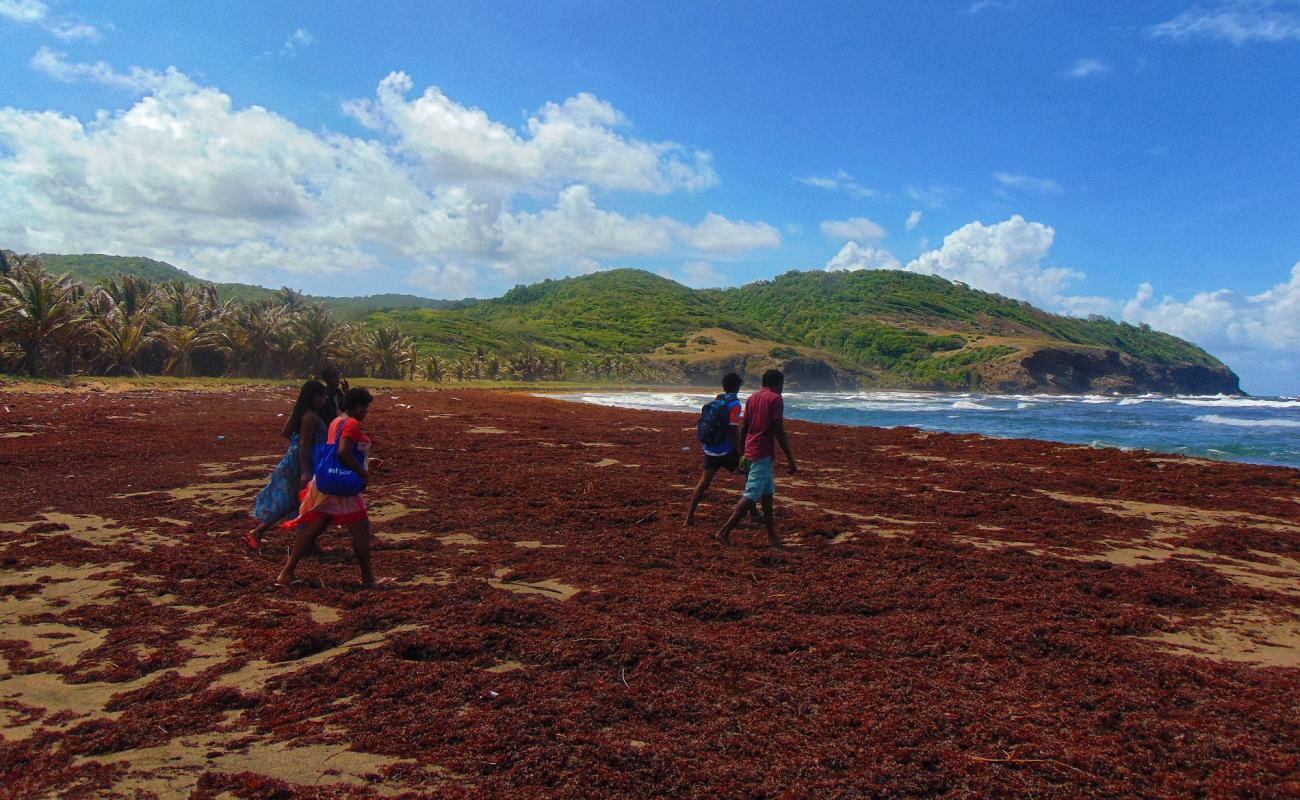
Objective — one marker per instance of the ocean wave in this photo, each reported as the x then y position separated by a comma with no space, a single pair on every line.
1227,401
1218,419
971,405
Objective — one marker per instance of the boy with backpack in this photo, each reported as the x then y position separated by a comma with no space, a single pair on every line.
764,427
718,432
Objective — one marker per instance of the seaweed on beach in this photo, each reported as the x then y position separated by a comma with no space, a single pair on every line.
957,616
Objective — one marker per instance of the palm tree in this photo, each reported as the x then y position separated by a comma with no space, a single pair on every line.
36,309
434,370
317,335
389,351
291,299
182,342
493,368
121,338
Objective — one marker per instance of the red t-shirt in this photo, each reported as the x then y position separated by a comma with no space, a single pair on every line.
762,410
348,428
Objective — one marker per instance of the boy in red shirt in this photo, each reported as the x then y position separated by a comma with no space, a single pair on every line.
763,423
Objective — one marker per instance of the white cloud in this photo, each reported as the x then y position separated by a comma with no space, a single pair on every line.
853,256
574,141
1235,21
55,65
1005,258
717,234
1087,67
1258,335
841,181
233,193
297,40
451,280
986,5
35,12
859,228
1028,183
930,196
702,275
913,220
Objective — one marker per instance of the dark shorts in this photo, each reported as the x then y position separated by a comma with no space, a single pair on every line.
729,462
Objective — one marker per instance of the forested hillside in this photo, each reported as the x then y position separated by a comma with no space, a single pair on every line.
827,329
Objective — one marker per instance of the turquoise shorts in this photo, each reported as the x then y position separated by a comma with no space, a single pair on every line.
760,481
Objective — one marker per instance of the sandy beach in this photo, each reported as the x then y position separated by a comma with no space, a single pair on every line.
956,616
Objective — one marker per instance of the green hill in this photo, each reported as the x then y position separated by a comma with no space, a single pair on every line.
889,329
873,328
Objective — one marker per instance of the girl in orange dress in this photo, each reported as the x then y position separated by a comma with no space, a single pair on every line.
317,511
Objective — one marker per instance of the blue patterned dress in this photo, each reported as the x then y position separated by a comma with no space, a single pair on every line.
279,498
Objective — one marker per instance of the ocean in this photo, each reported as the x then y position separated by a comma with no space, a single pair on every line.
1261,430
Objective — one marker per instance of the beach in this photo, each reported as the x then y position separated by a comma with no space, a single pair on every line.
956,615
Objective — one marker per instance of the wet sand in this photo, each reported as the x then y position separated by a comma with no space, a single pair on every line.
955,615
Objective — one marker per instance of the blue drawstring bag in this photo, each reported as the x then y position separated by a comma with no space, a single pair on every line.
332,476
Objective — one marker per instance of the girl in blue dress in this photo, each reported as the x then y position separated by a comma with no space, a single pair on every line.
304,429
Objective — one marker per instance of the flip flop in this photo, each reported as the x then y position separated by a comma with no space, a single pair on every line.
251,543
291,584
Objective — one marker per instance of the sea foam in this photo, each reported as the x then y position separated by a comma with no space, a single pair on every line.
1218,419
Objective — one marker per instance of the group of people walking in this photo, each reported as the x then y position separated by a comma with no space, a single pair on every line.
327,422
328,414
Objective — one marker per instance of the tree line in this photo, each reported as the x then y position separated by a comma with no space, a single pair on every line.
53,325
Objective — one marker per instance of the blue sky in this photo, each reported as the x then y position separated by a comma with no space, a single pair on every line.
1140,160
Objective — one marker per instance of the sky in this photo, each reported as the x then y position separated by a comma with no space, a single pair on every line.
1136,160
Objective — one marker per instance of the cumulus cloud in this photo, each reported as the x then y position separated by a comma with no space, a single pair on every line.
1028,183
35,12
451,280
717,234
185,175
1258,335
853,256
573,141
841,181
1086,68
1235,21
56,65
856,228
1006,258
913,220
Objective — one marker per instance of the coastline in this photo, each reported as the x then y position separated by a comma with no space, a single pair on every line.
554,630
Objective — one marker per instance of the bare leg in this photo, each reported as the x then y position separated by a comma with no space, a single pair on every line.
254,540
706,478
360,531
306,538
742,508
772,538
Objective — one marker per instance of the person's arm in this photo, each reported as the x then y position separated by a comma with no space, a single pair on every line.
740,444
307,447
734,429
778,430
348,457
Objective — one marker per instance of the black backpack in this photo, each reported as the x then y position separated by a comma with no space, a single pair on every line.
711,430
